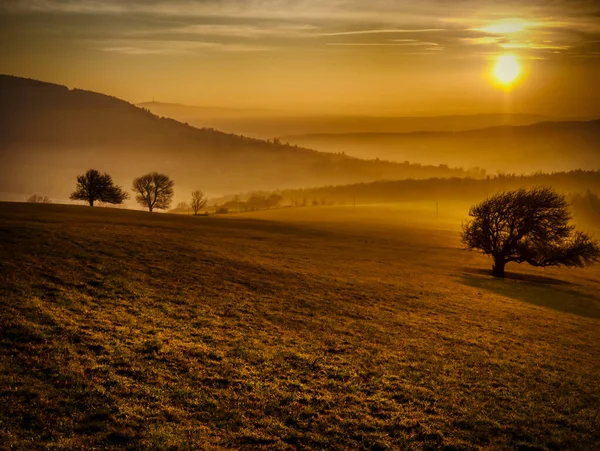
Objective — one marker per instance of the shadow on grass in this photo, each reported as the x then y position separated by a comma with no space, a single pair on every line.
534,289
534,278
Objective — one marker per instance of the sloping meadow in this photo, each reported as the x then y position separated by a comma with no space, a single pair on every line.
128,330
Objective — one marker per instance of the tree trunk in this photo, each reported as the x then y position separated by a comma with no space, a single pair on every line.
150,208
498,268
91,202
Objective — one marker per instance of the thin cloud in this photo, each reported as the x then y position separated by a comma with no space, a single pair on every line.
182,8
532,46
244,31
484,40
150,47
68,7
411,43
134,51
381,44
384,31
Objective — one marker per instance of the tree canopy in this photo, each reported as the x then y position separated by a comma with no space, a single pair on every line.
94,186
528,225
154,191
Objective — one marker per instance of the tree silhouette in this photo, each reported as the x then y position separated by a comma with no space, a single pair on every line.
154,191
528,225
93,186
37,199
198,201
274,200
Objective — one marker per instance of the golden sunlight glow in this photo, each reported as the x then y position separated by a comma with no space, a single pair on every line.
507,69
506,26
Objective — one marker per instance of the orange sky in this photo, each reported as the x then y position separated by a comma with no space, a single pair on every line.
307,56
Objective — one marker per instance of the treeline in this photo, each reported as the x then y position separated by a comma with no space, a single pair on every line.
155,191
453,188
253,202
432,189
37,199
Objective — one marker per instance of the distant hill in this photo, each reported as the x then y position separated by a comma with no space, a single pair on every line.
268,123
49,134
545,146
431,190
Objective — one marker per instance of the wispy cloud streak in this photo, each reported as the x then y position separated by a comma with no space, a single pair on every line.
383,31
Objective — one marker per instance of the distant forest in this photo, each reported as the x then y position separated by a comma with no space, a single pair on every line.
433,189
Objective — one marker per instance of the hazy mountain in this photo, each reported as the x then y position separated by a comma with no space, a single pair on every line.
268,123
546,146
49,134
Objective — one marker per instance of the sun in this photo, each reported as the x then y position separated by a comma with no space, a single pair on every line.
507,69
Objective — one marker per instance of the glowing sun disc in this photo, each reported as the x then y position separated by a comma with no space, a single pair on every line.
507,69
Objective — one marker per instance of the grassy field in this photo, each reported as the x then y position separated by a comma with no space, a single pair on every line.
314,328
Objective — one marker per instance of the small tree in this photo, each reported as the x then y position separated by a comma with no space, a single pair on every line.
198,201
528,225
93,186
154,191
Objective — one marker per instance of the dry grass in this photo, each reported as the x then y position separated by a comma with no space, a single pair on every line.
126,330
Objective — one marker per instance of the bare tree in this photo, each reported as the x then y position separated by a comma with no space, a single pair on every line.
198,201
94,186
154,191
528,225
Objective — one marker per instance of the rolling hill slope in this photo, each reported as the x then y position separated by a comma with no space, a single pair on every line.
545,146
125,330
49,134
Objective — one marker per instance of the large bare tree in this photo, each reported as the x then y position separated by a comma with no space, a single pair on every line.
154,191
94,186
198,201
528,225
